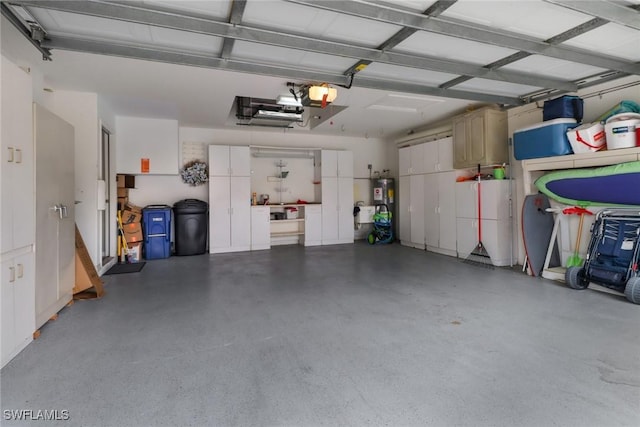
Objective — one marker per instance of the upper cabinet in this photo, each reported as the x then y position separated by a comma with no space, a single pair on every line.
146,146
480,137
411,160
226,160
336,163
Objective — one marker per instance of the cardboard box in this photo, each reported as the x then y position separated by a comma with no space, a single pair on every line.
122,202
131,213
126,181
123,192
133,232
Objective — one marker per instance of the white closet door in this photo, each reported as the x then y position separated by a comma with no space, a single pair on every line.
219,160
24,295
431,210
447,214
239,161
417,209
345,209
241,213
329,210
404,210
219,214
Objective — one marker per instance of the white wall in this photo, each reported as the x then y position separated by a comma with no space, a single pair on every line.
168,189
81,110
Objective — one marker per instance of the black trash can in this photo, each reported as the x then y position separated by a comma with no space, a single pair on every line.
191,224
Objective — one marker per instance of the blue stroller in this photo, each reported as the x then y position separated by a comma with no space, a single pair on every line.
382,231
613,254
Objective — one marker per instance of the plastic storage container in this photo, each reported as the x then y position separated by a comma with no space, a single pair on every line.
587,137
191,223
156,227
544,139
621,130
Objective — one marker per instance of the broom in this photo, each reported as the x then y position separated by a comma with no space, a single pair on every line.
479,256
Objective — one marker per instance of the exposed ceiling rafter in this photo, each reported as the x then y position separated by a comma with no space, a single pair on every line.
469,31
173,57
613,12
235,18
128,13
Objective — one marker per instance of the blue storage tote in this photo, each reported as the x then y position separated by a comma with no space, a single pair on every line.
544,139
156,227
565,107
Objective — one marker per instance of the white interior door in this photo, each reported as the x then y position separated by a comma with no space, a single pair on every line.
55,225
219,214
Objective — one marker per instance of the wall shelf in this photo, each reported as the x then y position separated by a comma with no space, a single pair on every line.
286,233
277,221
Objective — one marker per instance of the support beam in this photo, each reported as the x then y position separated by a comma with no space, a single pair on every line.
140,15
610,11
470,31
153,54
235,18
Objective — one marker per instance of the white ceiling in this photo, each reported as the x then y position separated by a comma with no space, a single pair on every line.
142,64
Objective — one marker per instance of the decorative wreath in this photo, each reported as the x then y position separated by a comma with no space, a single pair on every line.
194,173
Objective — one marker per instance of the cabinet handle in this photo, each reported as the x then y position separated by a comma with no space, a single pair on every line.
20,271
11,149
12,274
18,155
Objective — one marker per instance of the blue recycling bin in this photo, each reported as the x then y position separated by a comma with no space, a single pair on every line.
156,228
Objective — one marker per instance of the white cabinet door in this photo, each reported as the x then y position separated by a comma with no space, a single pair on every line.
466,199
417,159
430,157
329,210
404,161
416,191
445,154
495,238
345,210
329,163
240,213
447,210
8,310
219,162
312,225
404,210
239,161
495,199
431,210
17,165
345,164
219,214
23,297
260,228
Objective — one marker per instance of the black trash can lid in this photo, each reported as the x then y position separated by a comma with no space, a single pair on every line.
190,206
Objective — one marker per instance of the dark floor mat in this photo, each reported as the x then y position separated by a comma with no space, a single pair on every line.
126,268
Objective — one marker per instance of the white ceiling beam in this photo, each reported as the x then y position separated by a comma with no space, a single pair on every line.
152,53
127,12
235,17
470,31
612,12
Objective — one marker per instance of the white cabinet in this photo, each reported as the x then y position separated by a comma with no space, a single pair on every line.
229,214
438,155
336,163
404,215
260,227
17,170
337,196
416,210
229,199
225,160
312,225
496,219
155,140
480,137
440,212
17,296
411,160
337,210
17,215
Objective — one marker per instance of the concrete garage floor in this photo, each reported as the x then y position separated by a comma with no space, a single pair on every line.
341,335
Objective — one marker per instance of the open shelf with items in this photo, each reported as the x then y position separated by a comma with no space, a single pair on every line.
268,231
